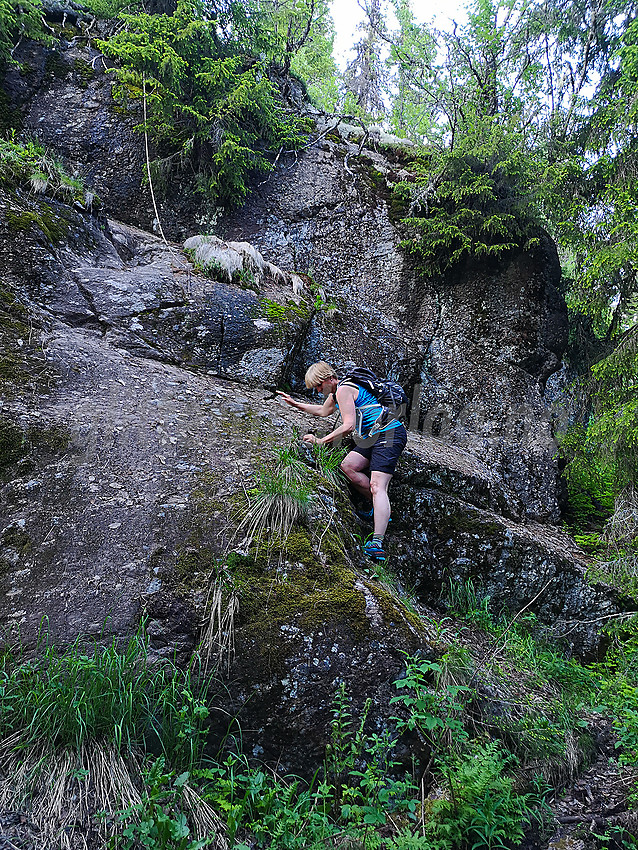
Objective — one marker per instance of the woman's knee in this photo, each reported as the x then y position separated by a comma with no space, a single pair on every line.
348,468
379,485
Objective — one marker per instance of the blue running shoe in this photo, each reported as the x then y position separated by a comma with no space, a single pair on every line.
375,551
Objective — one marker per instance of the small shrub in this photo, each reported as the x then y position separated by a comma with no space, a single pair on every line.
471,201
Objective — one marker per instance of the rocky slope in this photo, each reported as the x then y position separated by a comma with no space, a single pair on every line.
138,412
475,349
131,428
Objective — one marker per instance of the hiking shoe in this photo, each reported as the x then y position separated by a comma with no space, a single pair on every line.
373,550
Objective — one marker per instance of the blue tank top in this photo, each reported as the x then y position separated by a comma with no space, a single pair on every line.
367,411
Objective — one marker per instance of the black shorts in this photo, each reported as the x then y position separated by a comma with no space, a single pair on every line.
384,452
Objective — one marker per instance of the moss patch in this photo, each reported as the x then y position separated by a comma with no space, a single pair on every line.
393,610
18,540
301,590
399,204
196,567
23,366
84,73
55,65
54,227
28,446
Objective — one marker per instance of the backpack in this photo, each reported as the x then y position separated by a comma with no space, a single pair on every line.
388,393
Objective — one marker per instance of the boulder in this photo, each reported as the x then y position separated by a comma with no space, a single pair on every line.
145,295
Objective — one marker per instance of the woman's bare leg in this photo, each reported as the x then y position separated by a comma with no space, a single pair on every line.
352,467
379,483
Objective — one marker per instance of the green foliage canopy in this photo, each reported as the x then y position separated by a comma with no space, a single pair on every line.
208,103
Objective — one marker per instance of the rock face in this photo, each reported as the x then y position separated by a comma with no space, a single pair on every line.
138,412
470,527
144,295
122,466
63,96
475,348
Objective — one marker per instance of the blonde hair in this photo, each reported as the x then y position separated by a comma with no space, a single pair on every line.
318,373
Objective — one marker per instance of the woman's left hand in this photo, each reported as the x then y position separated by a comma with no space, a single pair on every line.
310,438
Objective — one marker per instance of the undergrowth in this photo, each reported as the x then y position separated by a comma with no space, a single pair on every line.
77,725
26,163
101,738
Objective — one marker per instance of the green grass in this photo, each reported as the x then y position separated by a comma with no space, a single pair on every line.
26,163
76,725
92,693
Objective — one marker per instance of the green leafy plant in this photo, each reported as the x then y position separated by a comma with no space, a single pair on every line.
27,164
159,821
277,811
616,837
480,808
433,710
360,769
208,104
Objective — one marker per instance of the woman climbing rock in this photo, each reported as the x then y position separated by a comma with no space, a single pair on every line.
379,440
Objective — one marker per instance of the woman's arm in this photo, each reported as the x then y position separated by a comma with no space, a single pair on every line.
325,409
346,397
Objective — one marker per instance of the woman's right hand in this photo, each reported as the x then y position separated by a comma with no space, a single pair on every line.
287,398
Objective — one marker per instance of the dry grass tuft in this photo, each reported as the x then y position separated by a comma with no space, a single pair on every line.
205,822
217,645
63,791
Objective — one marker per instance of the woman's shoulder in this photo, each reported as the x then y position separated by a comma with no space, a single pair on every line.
348,384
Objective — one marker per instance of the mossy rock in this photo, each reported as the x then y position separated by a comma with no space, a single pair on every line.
22,363
286,584
52,224
12,443
9,115
30,445
84,73
399,205
55,65
17,539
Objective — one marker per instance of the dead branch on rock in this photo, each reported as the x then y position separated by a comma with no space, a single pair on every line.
621,616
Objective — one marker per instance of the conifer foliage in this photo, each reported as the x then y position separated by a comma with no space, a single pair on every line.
18,19
209,104
472,201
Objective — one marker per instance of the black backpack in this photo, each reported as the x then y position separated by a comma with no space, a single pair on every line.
388,393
